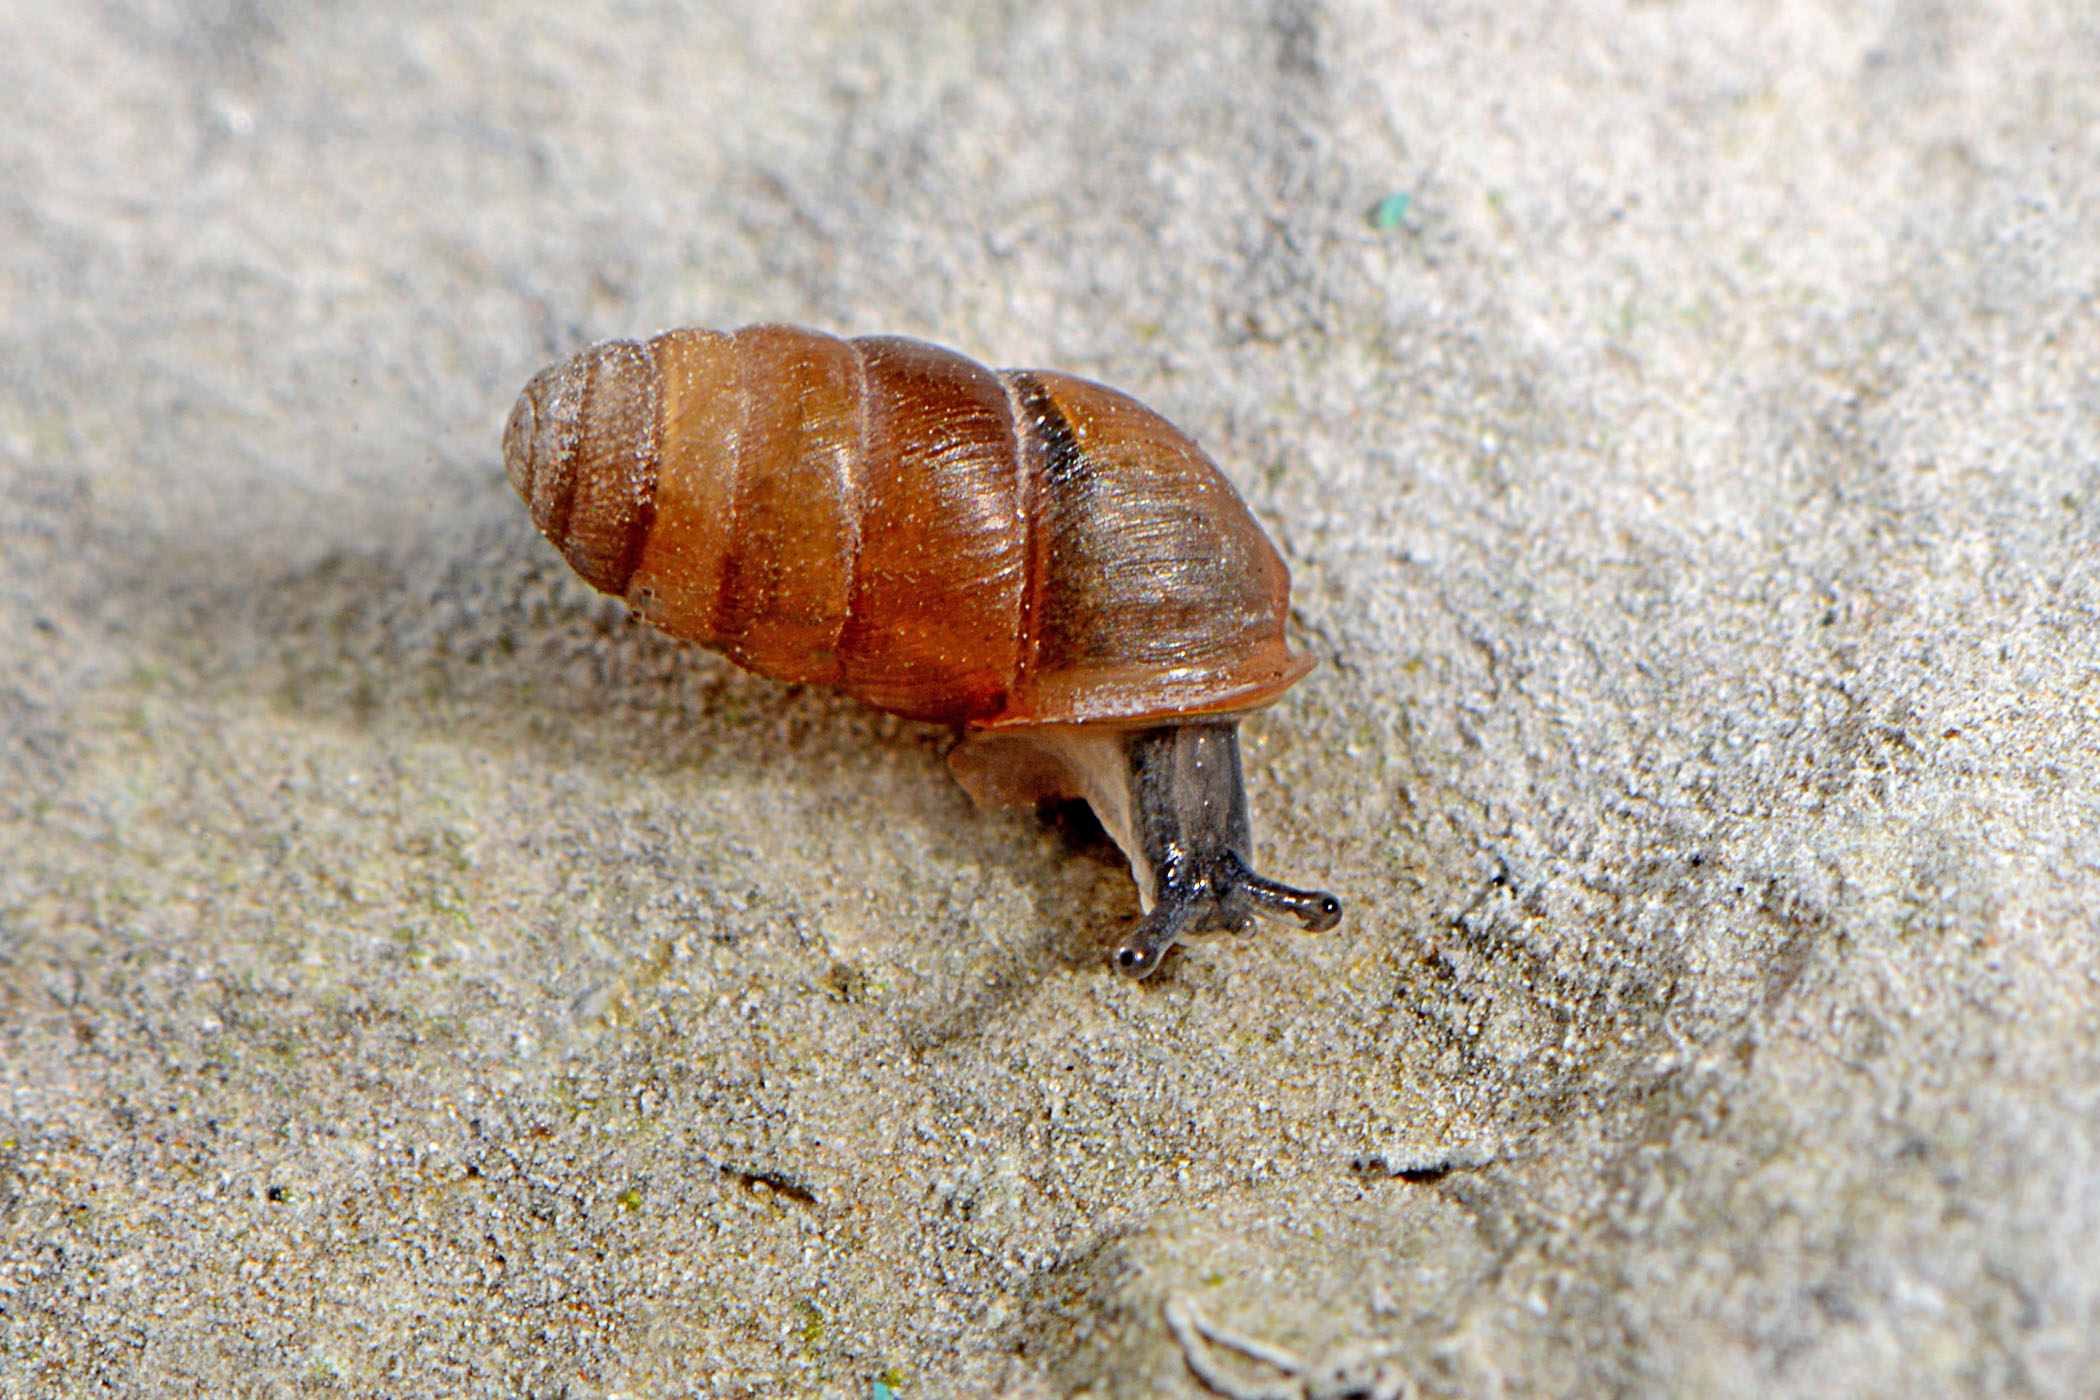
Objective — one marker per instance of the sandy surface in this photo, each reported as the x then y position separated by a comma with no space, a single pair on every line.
416,979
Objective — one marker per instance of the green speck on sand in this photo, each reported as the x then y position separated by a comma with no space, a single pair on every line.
1391,212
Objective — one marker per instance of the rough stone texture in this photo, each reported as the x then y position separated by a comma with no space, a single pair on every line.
416,979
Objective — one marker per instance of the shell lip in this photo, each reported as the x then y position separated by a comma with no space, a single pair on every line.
1214,703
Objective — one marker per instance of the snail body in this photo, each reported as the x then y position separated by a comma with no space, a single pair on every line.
1037,558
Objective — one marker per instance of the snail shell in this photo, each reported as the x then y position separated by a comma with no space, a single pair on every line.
882,515
1036,557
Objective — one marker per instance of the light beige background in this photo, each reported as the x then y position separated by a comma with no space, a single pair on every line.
415,979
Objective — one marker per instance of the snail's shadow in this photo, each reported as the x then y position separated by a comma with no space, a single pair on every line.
463,625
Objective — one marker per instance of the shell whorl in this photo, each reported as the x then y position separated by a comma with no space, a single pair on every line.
581,449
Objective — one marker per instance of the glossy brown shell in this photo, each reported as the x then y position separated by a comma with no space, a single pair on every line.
882,515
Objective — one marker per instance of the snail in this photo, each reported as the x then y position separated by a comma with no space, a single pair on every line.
1038,559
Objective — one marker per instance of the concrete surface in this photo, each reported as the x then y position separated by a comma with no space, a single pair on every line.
415,979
